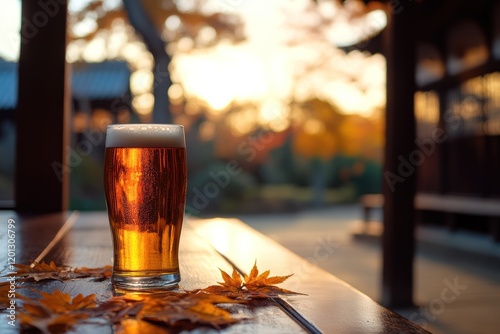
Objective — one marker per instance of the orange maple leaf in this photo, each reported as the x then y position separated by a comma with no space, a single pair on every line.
191,307
263,286
38,267
58,312
256,280
233,282
55,312
98,273
253,286
231,287
43,271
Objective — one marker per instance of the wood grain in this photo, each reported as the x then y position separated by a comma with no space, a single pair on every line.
88,244
331,305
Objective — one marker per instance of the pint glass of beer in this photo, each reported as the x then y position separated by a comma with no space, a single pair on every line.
145,182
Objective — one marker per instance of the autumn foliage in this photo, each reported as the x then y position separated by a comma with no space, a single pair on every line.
43,271
324,132
252,286
59,312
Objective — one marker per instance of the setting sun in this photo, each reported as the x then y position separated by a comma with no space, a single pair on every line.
268,69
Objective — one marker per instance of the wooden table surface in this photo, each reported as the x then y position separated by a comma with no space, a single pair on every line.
84,240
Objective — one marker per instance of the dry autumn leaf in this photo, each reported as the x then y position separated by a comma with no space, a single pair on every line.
55,312
43,271
98,273
196,308
117,308
262,286
58,312
253,285
231,287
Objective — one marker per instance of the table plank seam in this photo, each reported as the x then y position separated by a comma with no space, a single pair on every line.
279,302
292,313
283,306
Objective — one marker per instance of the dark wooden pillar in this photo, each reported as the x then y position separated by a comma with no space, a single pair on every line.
401,158
43,109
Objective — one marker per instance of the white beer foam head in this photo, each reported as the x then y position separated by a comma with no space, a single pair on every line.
145,135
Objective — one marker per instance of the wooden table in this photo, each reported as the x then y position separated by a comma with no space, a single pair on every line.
84,240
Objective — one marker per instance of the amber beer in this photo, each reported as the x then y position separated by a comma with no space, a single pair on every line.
145,185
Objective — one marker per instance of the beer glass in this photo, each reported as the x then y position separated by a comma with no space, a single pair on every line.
145,183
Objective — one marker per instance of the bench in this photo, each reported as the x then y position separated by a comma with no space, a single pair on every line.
449,204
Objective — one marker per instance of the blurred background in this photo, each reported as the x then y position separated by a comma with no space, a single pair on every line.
261,86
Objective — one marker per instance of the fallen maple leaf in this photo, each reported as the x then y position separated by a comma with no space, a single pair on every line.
98,273
60,302
196,308
231,287
253,286
58,312
43,271
37,267
263,286
55,312
254,279
117,308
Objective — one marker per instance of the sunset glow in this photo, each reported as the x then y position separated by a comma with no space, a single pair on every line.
270,70
283,59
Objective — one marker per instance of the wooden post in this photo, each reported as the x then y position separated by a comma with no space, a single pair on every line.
43,109
401,159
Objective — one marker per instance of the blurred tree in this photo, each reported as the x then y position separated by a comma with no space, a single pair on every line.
322,133
317,135
159,23
317,138
361,136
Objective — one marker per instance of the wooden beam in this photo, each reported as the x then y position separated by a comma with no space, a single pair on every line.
43,109
400,159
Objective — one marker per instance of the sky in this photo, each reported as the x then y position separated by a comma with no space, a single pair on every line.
10,22
265,66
